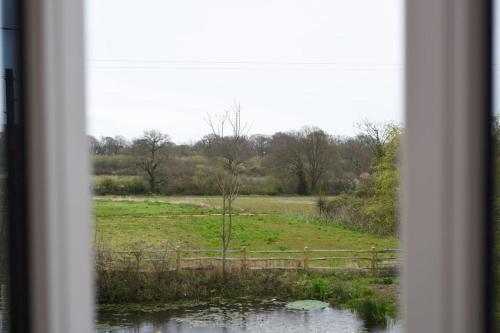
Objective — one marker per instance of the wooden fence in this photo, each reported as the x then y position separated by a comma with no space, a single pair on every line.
371,260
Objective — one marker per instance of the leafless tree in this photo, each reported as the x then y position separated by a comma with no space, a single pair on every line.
318,152
356,154
286,158
307,154
377,135
153,149
94,145
112,145
260,144
227,144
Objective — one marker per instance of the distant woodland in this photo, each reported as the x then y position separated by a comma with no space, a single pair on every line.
360,172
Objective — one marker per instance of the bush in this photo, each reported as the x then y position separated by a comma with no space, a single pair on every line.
320,288
123,165
372,207
387,280
119,186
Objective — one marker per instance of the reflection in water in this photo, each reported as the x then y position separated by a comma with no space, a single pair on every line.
236,317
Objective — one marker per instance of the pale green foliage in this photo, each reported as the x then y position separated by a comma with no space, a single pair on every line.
373,207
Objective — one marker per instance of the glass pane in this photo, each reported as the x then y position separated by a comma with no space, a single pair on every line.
11,170
245,164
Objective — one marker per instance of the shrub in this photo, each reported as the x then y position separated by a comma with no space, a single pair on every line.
115,165
119,186
387,280
373,312
320,288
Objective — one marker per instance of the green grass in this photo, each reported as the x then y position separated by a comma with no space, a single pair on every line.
302,205
115,208
187,222
276,223
115,177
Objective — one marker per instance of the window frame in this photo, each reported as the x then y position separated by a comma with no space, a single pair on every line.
445,182
62,294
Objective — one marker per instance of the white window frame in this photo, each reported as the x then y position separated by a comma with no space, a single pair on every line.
444,192
444,182
58,168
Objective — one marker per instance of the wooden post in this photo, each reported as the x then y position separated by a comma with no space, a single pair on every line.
243,258
374,261
306,257
177,258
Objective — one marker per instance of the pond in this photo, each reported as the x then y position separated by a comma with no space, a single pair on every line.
235,317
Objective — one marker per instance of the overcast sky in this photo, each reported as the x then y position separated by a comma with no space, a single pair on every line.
166,64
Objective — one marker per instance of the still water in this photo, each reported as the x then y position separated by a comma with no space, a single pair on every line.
237,317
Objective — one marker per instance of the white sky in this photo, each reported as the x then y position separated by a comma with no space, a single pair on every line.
165,64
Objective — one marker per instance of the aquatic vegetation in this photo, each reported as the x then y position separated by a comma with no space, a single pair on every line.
372,299
307,305
373,312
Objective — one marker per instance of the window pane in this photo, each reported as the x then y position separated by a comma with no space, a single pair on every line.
12,201
245,160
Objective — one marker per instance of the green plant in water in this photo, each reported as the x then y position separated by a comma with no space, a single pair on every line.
340,294
387,280
372,312
320,288
307,305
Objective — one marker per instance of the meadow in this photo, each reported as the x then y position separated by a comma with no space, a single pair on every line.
261,223
192,222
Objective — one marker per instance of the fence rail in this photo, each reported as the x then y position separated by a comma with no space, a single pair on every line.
371,260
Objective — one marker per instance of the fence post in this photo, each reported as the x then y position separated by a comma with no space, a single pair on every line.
177,258
374,261
243,258
306,257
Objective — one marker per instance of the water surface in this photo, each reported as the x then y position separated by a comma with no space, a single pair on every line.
236,317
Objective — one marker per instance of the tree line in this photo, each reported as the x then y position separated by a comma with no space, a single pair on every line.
306,161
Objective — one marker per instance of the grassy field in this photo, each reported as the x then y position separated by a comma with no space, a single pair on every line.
251,203
263,222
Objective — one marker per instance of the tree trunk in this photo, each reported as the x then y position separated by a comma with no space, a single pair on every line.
224,256
224,235
313,186
152,183
301,182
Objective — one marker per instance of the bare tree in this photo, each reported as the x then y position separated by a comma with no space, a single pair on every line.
153,149
260,143
286,158
227,143
318,154
307,155
377,135
356,154
112,145
94,145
